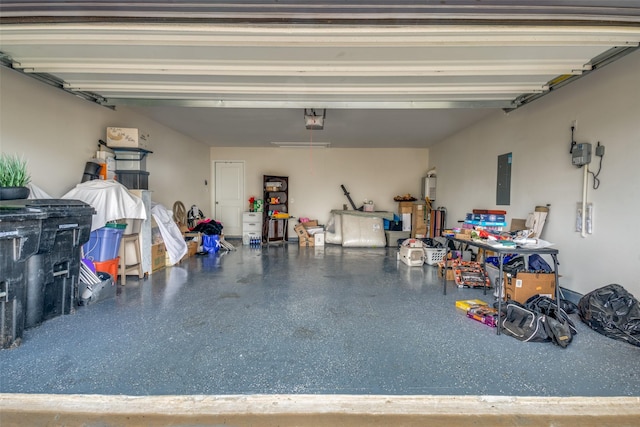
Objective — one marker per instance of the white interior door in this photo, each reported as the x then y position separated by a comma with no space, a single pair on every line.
229,197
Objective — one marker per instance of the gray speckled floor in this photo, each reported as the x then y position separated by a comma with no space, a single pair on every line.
303,320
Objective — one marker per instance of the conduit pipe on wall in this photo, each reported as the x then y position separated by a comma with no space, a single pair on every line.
585,182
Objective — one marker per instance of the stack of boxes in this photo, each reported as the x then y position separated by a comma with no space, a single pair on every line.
419,220
415,222
310,233
401,229
487,219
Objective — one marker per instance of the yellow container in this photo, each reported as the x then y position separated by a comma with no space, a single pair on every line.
466,304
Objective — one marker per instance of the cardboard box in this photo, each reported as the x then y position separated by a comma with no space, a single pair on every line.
406,221
194,236
419,232
526,285
301,231
307,241
310,223
466,304
158,254
484,314
420,215
450,273
483,254
192,248
127,138
518,224
405,208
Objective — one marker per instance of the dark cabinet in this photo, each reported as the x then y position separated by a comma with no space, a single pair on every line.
276,200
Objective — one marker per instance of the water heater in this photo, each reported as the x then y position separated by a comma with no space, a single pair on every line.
429,187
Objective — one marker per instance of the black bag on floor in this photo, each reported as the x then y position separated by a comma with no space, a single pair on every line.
613,312
523,323
560,327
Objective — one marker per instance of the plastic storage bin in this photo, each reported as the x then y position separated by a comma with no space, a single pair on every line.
109,266
133,180
19,236
103,244
131,161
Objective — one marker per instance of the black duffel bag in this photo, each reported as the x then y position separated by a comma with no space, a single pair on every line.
560,327
524,324
613,312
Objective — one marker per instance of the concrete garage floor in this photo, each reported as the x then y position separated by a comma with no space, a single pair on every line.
306,336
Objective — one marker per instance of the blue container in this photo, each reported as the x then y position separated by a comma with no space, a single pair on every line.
210,243
103,244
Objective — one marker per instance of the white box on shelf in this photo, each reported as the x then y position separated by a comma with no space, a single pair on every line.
318,239
127,137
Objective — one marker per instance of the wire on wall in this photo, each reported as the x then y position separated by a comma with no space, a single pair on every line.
599,153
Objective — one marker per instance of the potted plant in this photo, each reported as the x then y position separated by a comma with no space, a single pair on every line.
14,177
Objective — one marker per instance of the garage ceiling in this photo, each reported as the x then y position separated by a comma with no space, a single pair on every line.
389,74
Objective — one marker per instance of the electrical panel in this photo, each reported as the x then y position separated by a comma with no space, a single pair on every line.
581,154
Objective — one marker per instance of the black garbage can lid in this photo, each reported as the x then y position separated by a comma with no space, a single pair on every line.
61,207
16,210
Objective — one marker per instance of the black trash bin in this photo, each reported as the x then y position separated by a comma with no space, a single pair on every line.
20,230
53,272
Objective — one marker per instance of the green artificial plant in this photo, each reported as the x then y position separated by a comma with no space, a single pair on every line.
13,171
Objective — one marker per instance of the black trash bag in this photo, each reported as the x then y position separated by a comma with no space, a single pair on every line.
568,306
613,312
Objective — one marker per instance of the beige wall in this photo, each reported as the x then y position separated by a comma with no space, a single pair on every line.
58,132
315,175
606,106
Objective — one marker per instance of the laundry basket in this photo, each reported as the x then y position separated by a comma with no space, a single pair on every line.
433,256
